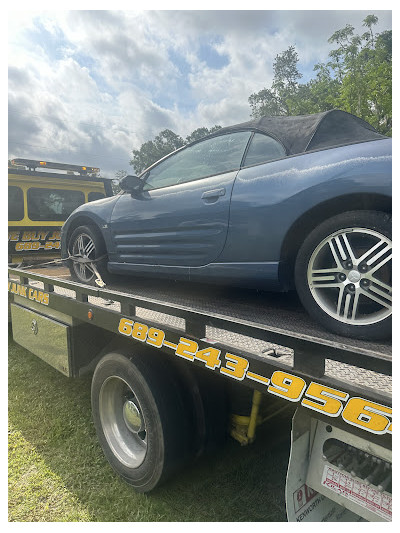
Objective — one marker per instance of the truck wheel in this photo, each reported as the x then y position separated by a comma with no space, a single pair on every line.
86,242
141,418
343,274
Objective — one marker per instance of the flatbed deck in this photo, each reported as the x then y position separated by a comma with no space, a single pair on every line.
280,312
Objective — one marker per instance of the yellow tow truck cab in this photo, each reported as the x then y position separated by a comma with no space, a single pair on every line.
41,196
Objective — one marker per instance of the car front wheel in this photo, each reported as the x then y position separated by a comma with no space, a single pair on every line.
343,274
86,248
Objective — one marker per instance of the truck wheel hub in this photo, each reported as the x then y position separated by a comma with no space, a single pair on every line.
132,416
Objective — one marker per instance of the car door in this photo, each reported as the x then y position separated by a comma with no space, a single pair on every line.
181,217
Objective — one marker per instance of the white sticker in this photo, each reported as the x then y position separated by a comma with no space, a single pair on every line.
357,491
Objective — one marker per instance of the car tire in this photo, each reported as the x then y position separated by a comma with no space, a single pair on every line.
343,274
87,242
142,419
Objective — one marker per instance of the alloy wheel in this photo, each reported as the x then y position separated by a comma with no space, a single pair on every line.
349,276
83,248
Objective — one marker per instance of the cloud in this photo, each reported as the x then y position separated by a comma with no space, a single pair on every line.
89,86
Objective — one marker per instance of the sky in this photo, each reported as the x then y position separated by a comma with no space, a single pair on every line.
87,87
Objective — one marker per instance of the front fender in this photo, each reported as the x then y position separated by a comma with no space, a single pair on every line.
96,213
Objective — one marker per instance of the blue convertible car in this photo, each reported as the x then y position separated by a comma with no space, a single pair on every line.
276,203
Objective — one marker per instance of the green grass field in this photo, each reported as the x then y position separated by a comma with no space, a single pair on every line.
57,471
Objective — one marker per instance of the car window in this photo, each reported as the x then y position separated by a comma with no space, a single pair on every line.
15,203
95,196
53,204
262,149
212,156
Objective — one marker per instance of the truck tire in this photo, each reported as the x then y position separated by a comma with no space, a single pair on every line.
142,418
343,274
208,397
87,242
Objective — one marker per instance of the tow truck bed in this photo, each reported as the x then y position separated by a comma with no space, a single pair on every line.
271,334
275,310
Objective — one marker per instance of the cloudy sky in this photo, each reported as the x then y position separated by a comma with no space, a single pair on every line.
87,87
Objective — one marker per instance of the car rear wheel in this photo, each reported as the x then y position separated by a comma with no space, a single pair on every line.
86,247
343,274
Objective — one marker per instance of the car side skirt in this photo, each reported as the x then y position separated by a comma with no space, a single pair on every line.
263,275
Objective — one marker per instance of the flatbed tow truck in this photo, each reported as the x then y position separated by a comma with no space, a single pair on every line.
175,364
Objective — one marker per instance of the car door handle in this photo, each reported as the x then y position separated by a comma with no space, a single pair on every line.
215,193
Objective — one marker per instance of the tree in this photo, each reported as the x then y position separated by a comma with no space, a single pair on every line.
286,74
363,64
151,151
289,97
265,102
119,174
356,78
279,99
320,93
378,82
201,132
163,144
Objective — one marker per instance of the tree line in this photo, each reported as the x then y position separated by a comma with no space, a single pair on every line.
356,78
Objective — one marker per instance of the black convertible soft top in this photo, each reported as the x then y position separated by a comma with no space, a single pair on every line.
311,132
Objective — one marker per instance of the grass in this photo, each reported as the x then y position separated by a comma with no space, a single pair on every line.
57,471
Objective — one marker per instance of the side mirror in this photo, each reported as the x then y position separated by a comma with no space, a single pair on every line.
131,184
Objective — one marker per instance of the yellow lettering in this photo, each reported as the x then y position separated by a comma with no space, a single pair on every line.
56,236
22,290
13,236
40,235
32,294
